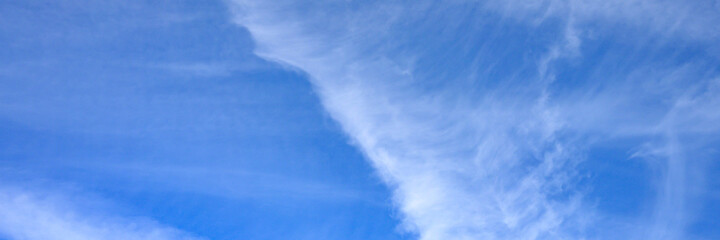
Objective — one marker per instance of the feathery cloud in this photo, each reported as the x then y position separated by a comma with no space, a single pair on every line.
459,106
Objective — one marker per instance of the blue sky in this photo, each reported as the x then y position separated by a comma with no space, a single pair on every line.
289,119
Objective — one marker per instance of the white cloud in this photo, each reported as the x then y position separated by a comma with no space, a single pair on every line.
696,20
468,161
32,215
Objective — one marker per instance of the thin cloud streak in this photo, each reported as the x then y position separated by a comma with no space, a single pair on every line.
227,182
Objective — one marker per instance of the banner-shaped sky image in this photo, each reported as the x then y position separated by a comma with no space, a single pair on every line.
349,119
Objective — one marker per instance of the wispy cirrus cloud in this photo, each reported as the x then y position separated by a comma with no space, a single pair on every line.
478,114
